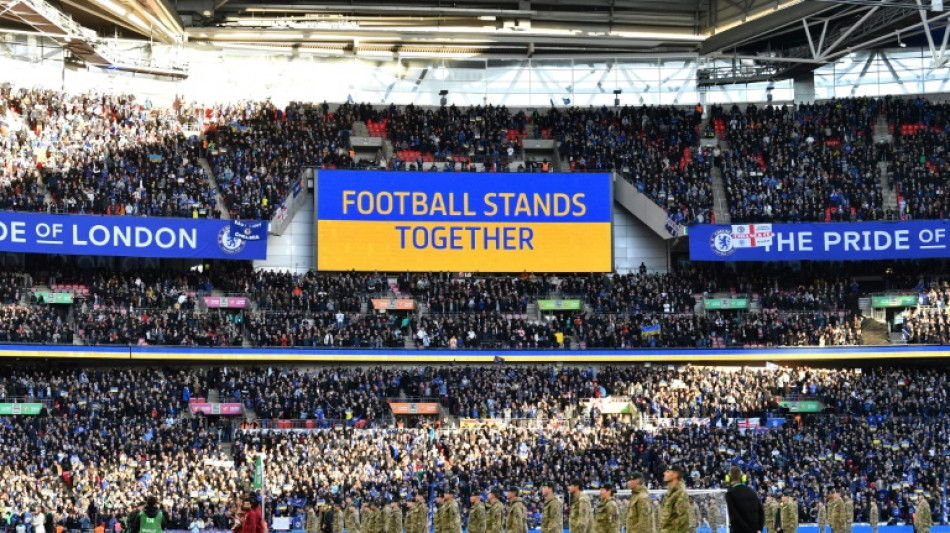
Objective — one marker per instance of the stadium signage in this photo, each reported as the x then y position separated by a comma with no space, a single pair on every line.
420,221
394,304
132,236
414,408
802,406
725,303
894,300
54,297
559,305
225,302
859,241
25,409
224,409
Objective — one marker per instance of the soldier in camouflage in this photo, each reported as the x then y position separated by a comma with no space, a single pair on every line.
789,515
639,517
438,520
674,516
922,517
517,521
714,512
496,512
770,508
552,512
337,516
607,515
351,517
477,515
822,517
837,513
395,518
849,511
579,520
694,516
874,515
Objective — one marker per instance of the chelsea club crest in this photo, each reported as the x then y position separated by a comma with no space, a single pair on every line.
721,242
230,244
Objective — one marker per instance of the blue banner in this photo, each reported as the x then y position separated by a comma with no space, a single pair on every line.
174,238
859,241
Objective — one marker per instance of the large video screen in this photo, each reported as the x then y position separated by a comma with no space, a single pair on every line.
463,222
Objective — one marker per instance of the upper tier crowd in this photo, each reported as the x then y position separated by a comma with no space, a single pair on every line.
114,154
106,438
812,305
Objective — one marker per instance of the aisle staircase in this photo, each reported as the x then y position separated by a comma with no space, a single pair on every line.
720,199
874,333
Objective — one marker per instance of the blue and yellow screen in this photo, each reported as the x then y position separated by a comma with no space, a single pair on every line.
463,222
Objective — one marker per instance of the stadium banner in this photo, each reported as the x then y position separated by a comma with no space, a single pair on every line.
858,241
225,302
173,238
414,408
462,222
54,297
725,303
802,406
25,409
894,300
559,305
394,304
224,409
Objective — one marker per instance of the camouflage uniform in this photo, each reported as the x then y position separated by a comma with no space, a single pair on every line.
837,516
790,517
394,525
579,520
770,509
715,516
552,516
674,517
607,517
496,517
351,520
657,515
639,518
477,519
694,517
453,519
822,517
415,520
922,518
338,521
874,516
517,521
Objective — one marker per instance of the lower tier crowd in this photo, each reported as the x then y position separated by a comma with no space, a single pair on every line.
108,438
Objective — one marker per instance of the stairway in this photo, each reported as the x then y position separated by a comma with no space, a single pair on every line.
882,132
534,314
874,333
720,199
219,200
888,192
360,129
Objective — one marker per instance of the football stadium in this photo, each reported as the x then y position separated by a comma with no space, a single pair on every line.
493,266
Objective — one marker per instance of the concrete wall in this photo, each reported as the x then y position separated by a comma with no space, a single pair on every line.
634,243
294,249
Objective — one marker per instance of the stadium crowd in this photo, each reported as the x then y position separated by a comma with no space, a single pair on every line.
810,163
107,438
810,305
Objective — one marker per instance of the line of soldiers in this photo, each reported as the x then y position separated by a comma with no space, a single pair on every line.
677,514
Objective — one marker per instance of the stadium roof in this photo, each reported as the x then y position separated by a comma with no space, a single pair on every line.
761,39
